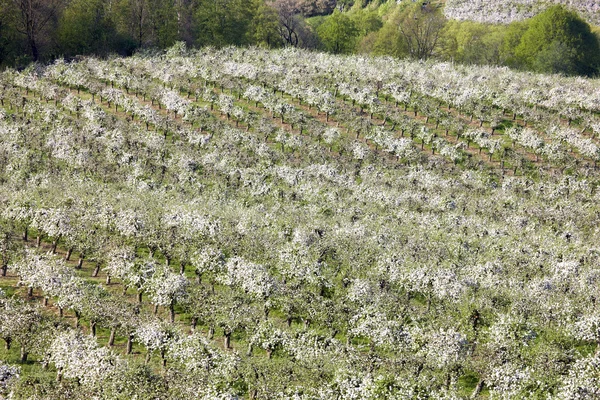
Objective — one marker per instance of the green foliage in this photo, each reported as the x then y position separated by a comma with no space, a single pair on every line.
338,33
512,38
85,28
220,22
388,39
264,30
366,20
473,43
559,41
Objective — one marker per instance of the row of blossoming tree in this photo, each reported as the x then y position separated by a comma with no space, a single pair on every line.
244,223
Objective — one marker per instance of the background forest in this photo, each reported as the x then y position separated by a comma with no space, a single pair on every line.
557,40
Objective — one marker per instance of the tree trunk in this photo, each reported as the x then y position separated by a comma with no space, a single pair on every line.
129,343
111,339
30,292
211,332
172,313
4,269
478,389
139,296
93,328
68,255
107,279
96,270
25,234
80,261
38,241
155,309
24,354
35,54
8,341
194,324
227,340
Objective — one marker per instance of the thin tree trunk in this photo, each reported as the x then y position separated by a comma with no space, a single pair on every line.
80,261
129,343
478,389
96,270
24,354
111,339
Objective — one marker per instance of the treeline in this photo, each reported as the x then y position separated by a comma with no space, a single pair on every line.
39,30
555,41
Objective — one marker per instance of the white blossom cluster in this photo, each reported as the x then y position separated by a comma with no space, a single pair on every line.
250,277
77,355
8,375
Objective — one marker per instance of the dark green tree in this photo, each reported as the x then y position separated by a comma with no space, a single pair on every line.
559,41
223,22
264,29
85,28
165,20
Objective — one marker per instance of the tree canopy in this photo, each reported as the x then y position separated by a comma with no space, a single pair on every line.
558,40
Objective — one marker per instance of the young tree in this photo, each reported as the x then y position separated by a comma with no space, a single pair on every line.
420,27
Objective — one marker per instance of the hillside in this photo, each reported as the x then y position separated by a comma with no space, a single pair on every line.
246,223
507,11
